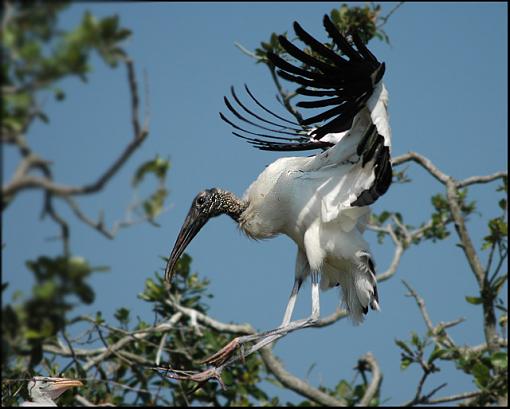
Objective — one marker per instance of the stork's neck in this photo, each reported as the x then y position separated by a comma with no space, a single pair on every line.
232,205
39,399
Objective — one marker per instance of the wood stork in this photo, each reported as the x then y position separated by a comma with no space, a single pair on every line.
321,201
44,390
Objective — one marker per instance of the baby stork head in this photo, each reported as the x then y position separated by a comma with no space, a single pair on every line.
207,204
44,389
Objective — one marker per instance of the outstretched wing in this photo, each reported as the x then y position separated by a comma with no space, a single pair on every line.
354,128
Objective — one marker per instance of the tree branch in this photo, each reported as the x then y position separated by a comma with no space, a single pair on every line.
475,264
368,360
19,183
297,385
481,179
423,162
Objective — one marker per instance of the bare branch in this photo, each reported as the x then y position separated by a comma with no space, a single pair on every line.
385,18
85,402
331,318
423,162
421,306
99,225
481,179
475,264
399,250
297,385
442,177
285,96
452,398
247,52
64,226
134,336
460,226
372,389
31,182
210,322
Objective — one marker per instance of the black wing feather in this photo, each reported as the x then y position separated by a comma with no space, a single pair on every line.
340,40
346,81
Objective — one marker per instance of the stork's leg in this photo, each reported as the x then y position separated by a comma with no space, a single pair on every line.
316,307
292,302
288,326
223,356
227,350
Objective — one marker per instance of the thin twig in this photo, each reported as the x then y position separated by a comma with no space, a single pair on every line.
385,18
421,306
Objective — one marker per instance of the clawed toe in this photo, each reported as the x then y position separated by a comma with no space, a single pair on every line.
222,355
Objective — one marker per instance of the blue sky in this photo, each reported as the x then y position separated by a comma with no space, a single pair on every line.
446,72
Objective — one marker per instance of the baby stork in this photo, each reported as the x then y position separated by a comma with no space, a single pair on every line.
44,390
321,201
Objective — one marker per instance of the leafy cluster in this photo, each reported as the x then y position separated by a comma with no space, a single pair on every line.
365,20
27,325
36,55
129,375
489,370
153,205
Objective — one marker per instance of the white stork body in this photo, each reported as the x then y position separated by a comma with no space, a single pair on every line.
308,199
321,202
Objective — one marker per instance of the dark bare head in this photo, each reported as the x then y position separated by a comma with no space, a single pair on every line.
207,204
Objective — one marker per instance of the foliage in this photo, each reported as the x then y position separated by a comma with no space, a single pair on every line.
36,55
30,323
365,20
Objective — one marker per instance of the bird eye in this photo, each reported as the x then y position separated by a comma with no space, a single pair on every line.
201,200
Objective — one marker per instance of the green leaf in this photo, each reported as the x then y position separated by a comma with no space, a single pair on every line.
438,352
99,318
158,166
343,389
498,284
46,290
59,94
405,362
154,204
474,300
122,315
403,346
415,340
499,360
481,374
43,117
384,216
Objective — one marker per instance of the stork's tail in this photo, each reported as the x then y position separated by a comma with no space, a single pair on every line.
359,288
361,291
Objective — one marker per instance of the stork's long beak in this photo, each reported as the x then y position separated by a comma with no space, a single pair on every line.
60,385
192,224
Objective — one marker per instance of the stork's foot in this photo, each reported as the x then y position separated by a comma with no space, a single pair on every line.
220,357
263,339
